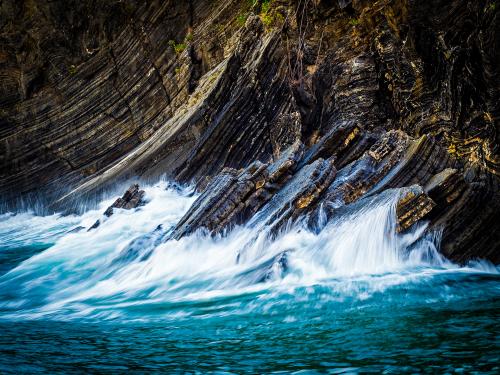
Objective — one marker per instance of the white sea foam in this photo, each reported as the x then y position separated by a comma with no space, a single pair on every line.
359,249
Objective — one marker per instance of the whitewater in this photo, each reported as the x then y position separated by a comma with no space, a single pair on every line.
349,295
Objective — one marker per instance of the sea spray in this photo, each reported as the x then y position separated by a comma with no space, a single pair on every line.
86,274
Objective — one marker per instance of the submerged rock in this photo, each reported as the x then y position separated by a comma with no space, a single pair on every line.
142,247
76,229
270,269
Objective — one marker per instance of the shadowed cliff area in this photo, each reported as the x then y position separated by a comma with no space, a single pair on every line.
276,110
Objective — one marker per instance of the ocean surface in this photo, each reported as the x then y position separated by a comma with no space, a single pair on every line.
350,296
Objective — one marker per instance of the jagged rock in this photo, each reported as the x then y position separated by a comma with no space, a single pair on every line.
270,194
443,202
362,175
335,143
445,187
132,198
232,197
412,207
423,158
296,196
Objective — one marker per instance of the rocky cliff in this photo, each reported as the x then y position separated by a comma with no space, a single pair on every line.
275,109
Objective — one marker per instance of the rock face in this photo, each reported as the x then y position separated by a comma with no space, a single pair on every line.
274,110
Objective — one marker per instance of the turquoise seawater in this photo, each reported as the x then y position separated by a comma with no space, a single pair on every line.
354,297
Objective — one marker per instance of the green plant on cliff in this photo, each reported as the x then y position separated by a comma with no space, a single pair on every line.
265,6
269,16
265,15
72,70
177,47
245,11
241,19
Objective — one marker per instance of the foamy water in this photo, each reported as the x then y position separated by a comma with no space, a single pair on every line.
91,274
350,295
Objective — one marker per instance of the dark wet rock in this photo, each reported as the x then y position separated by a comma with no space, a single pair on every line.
215,195
297,196
232,197
394,161
337,142
445,187
421,161
95,225
361,176
132,198
445,202
468,214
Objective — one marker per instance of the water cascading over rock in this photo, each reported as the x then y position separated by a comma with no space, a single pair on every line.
279,113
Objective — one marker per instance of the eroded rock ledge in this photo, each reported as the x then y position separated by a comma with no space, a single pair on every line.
272,111
433,192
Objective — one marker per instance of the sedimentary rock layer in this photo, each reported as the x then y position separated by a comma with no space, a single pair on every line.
274,109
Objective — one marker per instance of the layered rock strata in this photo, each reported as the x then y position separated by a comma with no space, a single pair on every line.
274,109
